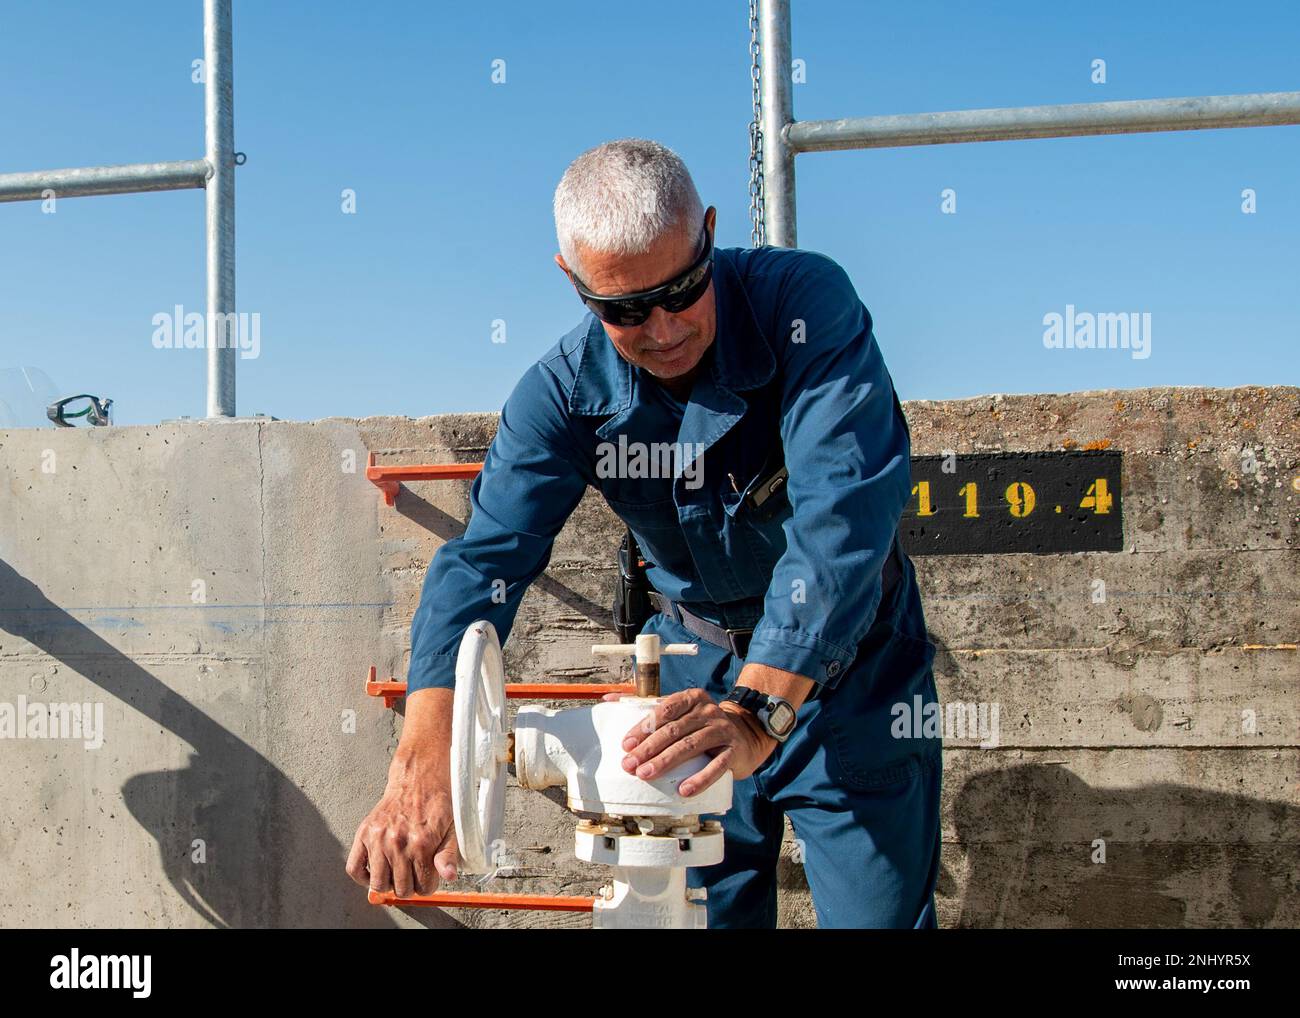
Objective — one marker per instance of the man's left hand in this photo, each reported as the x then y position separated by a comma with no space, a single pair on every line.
687,724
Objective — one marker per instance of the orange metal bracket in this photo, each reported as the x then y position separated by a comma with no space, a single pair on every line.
389,479
393,690
450,899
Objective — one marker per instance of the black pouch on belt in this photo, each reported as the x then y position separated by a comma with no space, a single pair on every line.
632,607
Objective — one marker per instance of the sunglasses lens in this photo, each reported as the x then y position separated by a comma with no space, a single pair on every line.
685,298
624,313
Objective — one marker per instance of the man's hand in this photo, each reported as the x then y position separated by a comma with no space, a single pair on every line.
408,841
689,723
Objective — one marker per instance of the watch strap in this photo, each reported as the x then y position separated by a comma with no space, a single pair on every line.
750,699
754,700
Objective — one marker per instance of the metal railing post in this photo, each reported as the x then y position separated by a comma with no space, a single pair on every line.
778,114
219,131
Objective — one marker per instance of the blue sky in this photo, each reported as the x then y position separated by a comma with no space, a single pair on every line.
390,310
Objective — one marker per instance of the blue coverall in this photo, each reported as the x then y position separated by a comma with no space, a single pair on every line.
794,366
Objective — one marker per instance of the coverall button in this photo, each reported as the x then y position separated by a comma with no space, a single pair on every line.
832,668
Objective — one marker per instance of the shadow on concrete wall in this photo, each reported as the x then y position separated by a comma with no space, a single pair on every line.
257,824
1026,866
444,526
1020,873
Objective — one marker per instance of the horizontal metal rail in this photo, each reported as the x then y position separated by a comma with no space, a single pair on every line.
1196,113
393,690
133,178
487,899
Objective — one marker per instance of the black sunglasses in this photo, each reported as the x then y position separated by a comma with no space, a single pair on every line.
673,296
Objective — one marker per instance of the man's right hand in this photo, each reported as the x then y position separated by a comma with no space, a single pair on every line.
408,841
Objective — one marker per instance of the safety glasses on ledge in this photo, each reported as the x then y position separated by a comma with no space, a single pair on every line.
673,296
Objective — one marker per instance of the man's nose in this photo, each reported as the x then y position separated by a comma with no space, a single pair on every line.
662,328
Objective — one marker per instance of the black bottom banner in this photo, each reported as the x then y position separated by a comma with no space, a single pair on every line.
1221,968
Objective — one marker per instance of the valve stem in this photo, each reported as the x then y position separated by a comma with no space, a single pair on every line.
646,652
647,678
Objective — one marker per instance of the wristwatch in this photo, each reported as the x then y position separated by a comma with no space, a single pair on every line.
776,715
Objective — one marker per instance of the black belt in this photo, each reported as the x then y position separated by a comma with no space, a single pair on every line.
737,640
734,640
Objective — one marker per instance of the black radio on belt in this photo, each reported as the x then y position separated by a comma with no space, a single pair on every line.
632,607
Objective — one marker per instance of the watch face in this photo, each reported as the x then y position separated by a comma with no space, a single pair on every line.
781,718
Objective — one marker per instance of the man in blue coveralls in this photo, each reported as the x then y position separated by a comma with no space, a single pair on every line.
733,408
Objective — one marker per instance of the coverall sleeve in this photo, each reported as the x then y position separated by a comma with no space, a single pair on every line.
532,480
848,453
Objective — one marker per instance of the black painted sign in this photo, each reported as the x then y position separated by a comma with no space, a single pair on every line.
993,503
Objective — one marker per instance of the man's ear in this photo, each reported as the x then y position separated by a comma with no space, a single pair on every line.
559,260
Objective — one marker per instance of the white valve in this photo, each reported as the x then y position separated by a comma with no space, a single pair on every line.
646,830
479,747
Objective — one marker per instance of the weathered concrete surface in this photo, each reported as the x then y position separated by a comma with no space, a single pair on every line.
230,781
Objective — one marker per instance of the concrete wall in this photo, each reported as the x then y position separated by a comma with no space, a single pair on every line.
222,588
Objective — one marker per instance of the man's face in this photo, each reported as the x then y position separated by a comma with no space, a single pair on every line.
669,346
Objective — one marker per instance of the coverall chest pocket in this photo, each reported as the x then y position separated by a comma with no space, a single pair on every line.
753,520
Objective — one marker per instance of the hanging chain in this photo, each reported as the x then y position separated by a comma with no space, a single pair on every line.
758,232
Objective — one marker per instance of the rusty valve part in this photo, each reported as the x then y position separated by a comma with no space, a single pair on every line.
646,651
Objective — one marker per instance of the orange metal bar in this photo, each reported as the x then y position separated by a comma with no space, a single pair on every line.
389,479
565,690
393,690
451,899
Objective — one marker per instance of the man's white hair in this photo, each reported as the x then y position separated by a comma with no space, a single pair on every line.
620,197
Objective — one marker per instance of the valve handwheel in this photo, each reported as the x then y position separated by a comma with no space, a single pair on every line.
478,747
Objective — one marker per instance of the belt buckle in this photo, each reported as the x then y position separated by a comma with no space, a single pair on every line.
743,635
